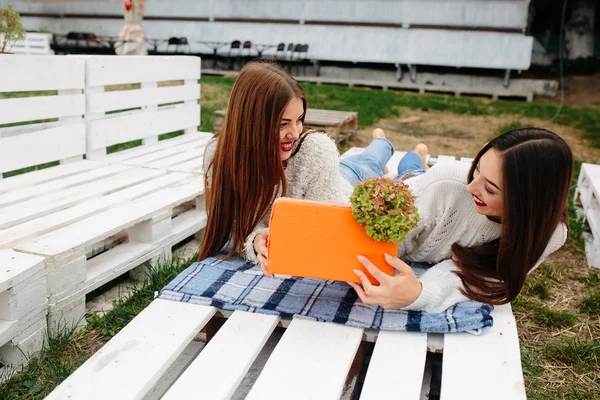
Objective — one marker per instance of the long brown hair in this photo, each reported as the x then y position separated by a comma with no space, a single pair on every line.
246,173
536,170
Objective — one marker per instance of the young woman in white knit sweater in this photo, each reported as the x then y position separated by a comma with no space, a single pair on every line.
485,226
263,152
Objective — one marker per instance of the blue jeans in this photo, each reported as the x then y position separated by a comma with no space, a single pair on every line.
369,163
410,164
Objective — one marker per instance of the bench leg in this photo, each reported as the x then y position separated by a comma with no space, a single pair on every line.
151,231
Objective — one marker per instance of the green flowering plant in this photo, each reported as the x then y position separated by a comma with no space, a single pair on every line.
385,207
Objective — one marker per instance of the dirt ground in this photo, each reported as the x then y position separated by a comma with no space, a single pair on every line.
461,135
580,91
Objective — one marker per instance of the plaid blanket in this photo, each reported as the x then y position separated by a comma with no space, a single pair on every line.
234,284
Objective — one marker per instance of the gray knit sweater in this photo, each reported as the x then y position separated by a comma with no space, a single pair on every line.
312,173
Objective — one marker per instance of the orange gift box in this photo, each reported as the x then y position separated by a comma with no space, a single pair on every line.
320,240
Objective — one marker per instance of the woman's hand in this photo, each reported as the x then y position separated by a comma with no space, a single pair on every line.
261,247
396,291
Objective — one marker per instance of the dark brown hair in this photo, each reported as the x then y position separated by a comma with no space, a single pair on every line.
246,173
536,169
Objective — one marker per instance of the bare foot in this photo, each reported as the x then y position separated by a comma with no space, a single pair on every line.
378,133
423,151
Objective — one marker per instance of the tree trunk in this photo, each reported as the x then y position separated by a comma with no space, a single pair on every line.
579,30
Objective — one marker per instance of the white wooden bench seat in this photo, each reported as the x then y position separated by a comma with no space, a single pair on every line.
587,196
94,220
23,308
311,360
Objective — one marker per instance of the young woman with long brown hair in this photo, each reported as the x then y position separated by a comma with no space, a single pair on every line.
484,227
264,151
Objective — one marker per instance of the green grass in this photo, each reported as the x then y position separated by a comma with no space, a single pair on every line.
591,279
591,303
374,104
582,355
540,289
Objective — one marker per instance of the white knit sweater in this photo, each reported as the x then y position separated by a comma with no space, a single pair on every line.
313,173
447,216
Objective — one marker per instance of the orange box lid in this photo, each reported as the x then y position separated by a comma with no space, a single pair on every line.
321,240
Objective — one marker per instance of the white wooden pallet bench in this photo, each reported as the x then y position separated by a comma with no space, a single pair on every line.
23,308
69,213
311,361
587,197
34,43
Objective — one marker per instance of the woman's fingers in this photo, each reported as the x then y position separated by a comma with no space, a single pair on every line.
373,270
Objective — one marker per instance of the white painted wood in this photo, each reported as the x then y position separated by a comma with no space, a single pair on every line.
34,43
46,175
41,147
42,107
489,364
132,361
151,158
468,160
100,226
39,73
396,367
232,350
194,165
163,145
20,195
17,267
178,158
124,99
109,70
444,158
311,361
27,210
138,125
41,225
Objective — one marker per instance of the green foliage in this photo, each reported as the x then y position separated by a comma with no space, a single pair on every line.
385,207
10,28
591,303
582,355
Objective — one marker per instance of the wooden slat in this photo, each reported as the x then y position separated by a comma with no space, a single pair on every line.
108,70
43,189
141,151
397,366
195,165
178,158
100,226
16,267
42,225
41,147
233,349
311,361
487,366
119,129
41,107
38,73
46,175
28,210
132,361
173,150
124,99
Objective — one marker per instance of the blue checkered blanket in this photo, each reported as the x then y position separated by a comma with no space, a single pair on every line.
234,284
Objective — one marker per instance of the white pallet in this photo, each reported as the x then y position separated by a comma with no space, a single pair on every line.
38,143
65,224
587,196
311,360
34,43
160,109
23,306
